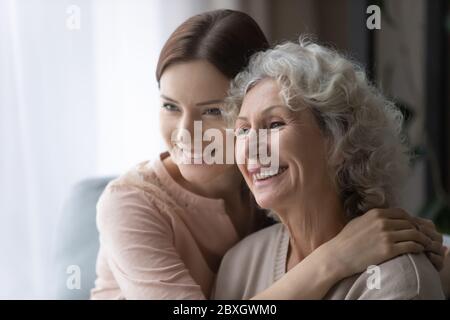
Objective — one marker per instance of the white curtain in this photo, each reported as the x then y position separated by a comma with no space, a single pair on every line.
47,133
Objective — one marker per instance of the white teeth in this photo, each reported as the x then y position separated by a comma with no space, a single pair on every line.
267,174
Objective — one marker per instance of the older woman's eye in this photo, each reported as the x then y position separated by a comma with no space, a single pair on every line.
276,124
213,112
241,131
169,107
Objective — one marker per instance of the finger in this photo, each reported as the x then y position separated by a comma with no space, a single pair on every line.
436,248
396,213
436,260
399,224
410,235
407,247
432,233
426,222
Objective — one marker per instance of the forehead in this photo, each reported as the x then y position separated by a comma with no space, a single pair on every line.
264,94
193,79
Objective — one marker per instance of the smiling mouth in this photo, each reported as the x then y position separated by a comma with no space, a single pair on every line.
260,176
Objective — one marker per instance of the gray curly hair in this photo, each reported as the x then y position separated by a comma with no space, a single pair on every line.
368,158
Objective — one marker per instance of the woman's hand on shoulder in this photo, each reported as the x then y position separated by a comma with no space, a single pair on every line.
380,235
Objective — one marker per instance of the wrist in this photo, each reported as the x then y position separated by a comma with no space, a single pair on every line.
331,268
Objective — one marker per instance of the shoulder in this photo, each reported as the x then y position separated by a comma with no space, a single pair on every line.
131,185
406,277
141,176
131,197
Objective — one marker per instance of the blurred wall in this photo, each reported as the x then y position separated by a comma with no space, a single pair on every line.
399,67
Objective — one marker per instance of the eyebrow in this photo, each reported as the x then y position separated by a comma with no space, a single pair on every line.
266,110
169,99
203,103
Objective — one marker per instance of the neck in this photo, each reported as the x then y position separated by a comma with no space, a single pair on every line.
311,222
227,186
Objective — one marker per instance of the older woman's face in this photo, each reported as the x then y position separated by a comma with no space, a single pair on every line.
302,148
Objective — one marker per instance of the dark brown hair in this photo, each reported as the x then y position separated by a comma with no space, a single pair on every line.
225,38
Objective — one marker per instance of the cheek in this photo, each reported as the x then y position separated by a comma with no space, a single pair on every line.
247,178
289,143
306,152
240,152
316,146
167,125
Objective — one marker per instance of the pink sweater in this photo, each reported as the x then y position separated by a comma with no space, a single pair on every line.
157,239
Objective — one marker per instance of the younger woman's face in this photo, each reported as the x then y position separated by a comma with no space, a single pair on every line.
192,102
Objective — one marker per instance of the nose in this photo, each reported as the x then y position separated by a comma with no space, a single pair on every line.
256,146
251,148
189,129
187,122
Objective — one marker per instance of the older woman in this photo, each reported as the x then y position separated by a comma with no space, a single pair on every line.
340,154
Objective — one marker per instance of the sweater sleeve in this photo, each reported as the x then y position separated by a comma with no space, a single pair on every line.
407,277
139,245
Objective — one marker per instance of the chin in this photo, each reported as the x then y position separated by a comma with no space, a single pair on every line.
266,201
200,172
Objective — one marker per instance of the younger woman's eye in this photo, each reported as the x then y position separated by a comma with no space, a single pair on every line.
213,112
170,107
241,131
276,124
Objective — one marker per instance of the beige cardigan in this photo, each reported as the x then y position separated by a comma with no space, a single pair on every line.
259,260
